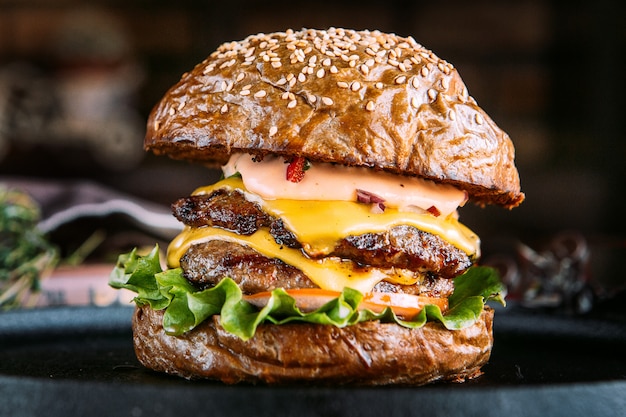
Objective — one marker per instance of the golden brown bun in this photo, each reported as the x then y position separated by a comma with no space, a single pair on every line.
370,353
357,98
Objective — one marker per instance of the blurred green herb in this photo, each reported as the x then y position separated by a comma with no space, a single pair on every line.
25,254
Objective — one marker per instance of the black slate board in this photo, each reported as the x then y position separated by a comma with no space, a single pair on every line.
80,361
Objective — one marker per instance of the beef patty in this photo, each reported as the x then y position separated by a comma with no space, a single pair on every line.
403,247
205,264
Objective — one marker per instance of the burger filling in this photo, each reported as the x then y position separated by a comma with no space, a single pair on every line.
423,262
317,243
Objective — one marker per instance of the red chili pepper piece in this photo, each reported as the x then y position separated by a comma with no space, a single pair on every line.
434,211
296,169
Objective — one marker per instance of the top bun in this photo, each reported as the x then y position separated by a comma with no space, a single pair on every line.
358,98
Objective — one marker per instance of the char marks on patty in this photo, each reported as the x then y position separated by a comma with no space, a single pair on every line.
403,247
206,264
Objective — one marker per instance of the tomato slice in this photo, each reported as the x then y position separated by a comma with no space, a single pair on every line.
405,306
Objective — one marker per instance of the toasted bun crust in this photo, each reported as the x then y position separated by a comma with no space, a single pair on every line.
370,353
357,98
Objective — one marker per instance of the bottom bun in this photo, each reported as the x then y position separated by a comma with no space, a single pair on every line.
369,353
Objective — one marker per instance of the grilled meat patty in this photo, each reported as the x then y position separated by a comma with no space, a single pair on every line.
403,247
206,264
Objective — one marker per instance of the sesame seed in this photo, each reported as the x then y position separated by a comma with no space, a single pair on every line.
246,87
285,95
356,86
445,83
240,76
370,106
301,77
311,98
320,73
244,92
379,85
415,102
224,108
326,62
172,111
276,64
479,119
415,82
260,93
432,94
400,80
452,116
342,84
328,101
229,86
282,81
364,69
227,64
292,104
334,70
273,130
424,71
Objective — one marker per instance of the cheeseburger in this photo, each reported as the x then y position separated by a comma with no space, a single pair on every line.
331,251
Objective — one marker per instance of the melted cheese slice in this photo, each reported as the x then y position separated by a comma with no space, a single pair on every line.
328,273
319,225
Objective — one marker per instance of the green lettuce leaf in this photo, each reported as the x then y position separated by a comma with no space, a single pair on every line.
186,307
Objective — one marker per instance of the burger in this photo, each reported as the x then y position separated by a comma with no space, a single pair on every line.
331,250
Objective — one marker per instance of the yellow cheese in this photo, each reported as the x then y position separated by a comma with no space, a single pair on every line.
318,225
328,273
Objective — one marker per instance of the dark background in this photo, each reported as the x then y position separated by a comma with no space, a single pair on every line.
550,73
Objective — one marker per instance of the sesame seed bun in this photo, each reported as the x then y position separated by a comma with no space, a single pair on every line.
358,98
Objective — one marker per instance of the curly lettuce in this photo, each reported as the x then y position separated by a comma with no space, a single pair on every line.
186,307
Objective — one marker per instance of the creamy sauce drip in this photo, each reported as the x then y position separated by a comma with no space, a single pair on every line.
329,182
